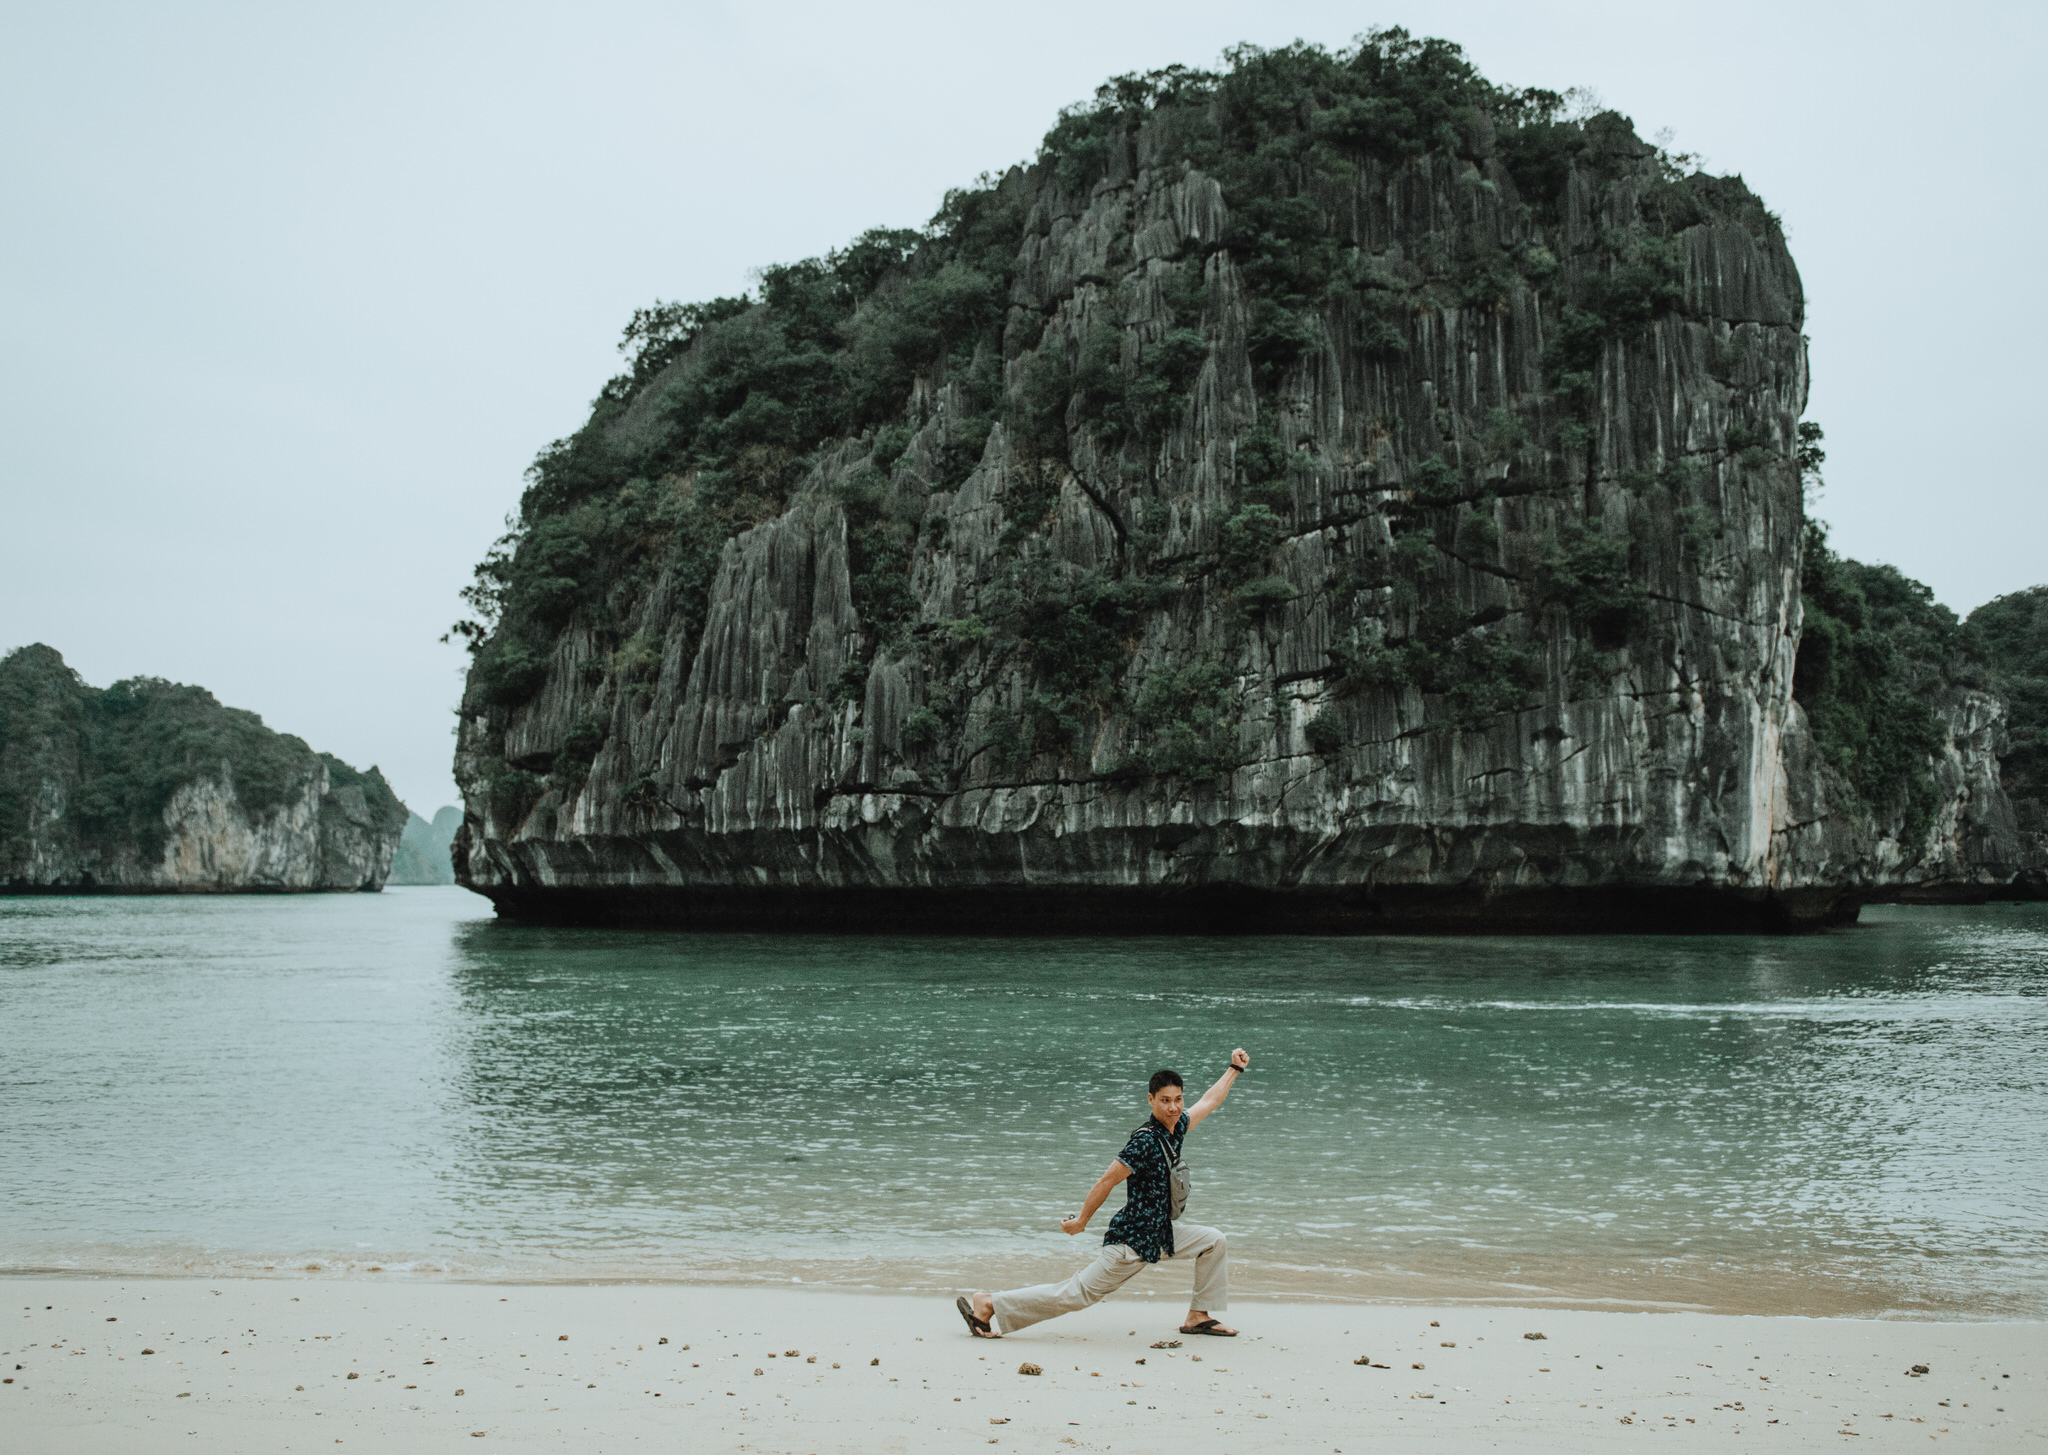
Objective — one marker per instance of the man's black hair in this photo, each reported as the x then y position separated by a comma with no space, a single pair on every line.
1164,1078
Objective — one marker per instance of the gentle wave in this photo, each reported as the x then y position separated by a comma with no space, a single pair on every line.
1979,1008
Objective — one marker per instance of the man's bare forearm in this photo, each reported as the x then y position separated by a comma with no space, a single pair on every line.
1213,1097
1096,1194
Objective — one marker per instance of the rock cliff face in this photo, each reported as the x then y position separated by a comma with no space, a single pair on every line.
1974,848
1454,584
422,856
151,787
2011,637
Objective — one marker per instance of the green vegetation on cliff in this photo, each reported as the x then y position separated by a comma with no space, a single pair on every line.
114,758
2012,633
1875,648
1877,652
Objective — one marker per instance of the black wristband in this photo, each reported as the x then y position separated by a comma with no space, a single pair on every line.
1240,1070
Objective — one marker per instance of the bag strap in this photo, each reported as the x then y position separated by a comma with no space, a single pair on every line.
1166,1149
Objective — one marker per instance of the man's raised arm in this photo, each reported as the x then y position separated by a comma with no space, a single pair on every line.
1213,1097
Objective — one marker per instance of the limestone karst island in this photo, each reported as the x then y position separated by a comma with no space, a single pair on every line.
154,787
1329,495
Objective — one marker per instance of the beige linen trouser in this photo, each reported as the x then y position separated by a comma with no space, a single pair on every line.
1115,1266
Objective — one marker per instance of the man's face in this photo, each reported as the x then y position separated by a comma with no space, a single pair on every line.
1166,1105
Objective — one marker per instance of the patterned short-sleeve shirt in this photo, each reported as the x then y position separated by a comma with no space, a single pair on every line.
1145,1225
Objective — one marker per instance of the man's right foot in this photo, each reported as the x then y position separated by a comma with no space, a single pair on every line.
979,1312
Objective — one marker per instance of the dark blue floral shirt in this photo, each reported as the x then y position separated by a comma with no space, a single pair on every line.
1145,1225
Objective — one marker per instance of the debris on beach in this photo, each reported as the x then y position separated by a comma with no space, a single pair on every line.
1915,1372
664,1341
873,1362
1415,1366
1535,1336
1027,1367
1137,1361
1363,1359
789,1353
1433,1323
1448,1344
1167,1344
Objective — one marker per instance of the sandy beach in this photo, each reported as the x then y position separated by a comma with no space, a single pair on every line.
268,1365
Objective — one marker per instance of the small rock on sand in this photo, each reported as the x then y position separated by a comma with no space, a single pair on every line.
1363,1359
1534,1336
1027,1367
873,1362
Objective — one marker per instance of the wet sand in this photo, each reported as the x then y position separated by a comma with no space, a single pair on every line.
405,1366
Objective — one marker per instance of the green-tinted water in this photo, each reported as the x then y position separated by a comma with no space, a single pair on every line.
1851,1122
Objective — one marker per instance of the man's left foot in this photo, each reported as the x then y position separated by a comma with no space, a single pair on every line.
1209,1326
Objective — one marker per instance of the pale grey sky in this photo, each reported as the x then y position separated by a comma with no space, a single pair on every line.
290,295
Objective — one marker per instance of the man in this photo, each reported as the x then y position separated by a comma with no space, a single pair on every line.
1144,1232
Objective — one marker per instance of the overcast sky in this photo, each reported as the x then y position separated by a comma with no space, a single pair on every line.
290,295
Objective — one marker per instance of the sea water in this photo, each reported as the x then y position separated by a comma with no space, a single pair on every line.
397,1085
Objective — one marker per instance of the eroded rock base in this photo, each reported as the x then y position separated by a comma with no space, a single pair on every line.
1207,910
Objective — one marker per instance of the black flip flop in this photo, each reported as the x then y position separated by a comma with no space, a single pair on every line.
1212,1328
977,1327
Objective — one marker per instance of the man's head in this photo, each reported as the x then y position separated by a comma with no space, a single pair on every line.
1166,1095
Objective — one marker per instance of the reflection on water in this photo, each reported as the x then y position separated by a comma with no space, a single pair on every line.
1846,1123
